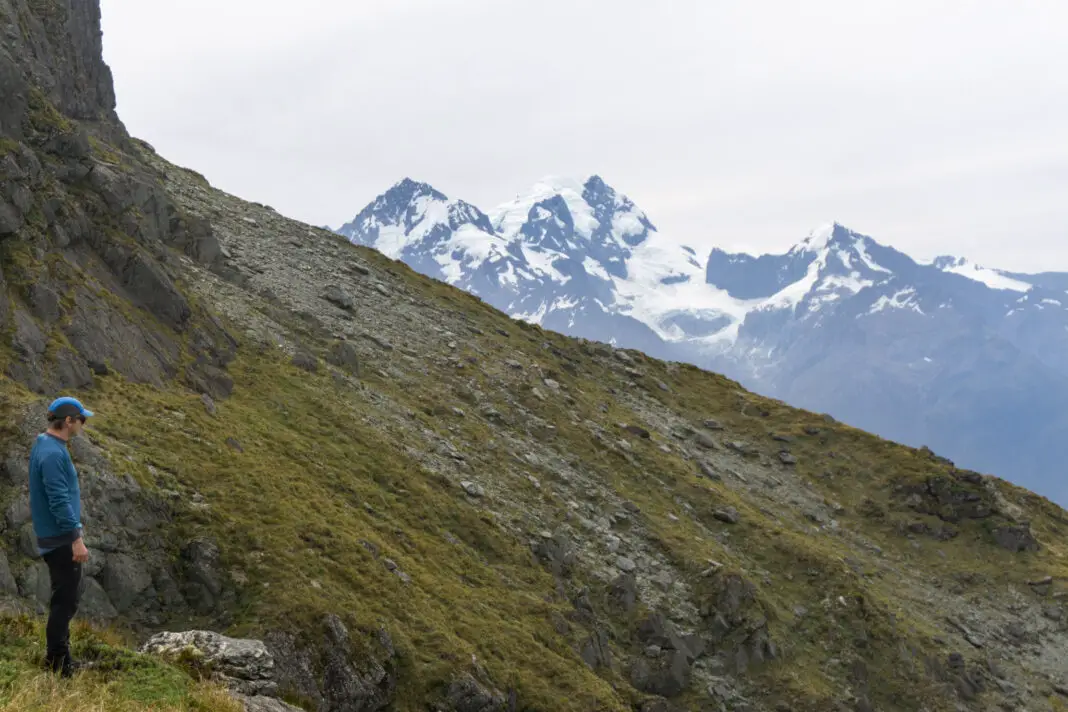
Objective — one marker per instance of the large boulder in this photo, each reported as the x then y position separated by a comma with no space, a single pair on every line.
369,686
667,673
204,580
104,335
194,236
126,581
18,513
596,651
466,694
261,703
338,297
656,630
1016,538
243,665
344,355
95,604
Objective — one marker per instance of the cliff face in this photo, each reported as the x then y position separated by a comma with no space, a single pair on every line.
55,46
89,288
418,503
85,227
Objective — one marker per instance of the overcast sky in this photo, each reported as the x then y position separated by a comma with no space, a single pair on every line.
933,126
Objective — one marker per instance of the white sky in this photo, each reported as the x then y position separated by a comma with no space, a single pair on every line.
935,126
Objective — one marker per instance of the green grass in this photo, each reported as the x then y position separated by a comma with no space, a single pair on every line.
314,482
105,151
118,679
43,115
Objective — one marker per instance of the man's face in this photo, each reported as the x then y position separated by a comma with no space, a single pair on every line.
76,424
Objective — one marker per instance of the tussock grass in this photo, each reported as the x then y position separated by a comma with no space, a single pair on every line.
118,680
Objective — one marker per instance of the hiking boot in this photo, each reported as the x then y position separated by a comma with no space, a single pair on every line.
54,663
65,665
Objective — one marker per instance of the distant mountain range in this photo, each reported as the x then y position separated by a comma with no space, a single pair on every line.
969,360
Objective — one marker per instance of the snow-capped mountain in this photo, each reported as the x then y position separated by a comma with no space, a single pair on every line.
967,359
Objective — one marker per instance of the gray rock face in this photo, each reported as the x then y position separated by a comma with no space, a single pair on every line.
71,60
297,668
658,704
103,336
204,584
466,694
27,541
345,356
196,238
306,361
18,513
623,592
338,297
728,515
557,552
706,470
54,47
329,675
147,283
95,604
10,219
15,471
596,651
126,580
372,686
667,675
473,489
13,87
658,631
244,665
1016,538
34,585
636,430
8,585
260,703
706,441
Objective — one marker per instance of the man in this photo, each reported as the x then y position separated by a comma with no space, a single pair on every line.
56,507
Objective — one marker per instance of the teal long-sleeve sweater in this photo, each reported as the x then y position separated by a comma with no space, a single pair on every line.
55,496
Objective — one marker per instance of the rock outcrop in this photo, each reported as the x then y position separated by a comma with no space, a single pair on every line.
130,575
244,666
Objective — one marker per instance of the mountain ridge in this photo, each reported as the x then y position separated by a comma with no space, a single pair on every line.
579,257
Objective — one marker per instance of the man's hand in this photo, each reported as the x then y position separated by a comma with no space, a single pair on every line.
81,554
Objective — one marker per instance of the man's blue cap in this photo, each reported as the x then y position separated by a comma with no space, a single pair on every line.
69,406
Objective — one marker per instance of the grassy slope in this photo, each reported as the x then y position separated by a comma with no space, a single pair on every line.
119,681
319,475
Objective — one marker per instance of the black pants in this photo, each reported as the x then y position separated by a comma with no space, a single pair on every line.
66,575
